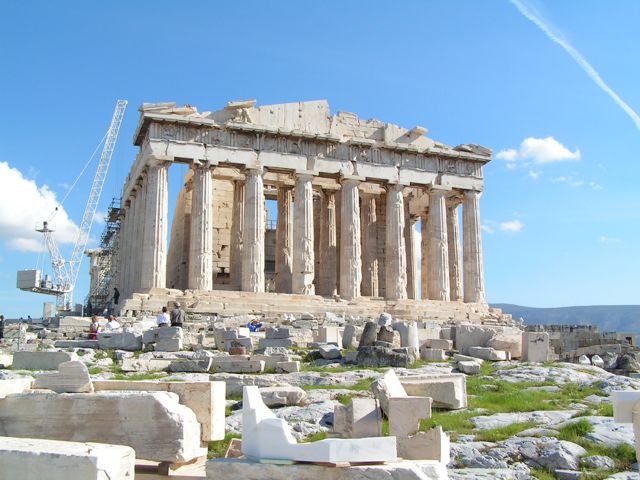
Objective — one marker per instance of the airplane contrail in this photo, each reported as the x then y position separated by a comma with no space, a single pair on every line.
529,13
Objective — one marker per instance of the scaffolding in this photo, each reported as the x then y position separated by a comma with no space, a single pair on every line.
105,263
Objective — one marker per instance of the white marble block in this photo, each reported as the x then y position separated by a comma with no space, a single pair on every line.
447,391
264,436
38,459
71,377
361,418
432,354
535,346
41,360
154,424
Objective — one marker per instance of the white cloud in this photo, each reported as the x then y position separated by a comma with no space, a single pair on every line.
512,226
608,240
531,14
596,186
569,180
510,154
539,151
486,228
25,205
535,174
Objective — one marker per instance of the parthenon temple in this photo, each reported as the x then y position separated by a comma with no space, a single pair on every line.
289,208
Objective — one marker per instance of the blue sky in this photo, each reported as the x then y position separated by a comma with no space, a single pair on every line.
561,209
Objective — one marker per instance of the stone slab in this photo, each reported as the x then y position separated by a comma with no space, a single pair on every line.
76,344
433,354
360,419
120,341
14,385
447,391
206,399
38,459
441,343
41,360
71,377
535,346
236,364
468,367
488,353
145,364
288,367
154,424
251,470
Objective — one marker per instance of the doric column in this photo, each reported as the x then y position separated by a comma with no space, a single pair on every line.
327,274
237,221
154,247
453,237
284,240
395,254
303,248
350,259
137,232
253,232
369,246
424,254
201,246
123,248
438,281
410,247
473,267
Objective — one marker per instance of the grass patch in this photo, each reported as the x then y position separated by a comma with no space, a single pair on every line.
344,399
140,376
604,410
542,474
219,448
361,385
95,370
340,369
315,437
81,352
455,423
502,433
623,454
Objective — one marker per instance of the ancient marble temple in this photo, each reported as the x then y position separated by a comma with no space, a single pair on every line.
350,194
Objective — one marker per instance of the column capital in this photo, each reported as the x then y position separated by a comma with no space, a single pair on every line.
351,179
305,174
438,189
254,170
202,165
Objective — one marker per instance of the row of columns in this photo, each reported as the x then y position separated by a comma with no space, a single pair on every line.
143,266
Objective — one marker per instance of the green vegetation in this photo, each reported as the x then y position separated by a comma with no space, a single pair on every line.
219,448
605,410
95,370
315,437
344,399
340,369
502,433
361,385
542,474
140,376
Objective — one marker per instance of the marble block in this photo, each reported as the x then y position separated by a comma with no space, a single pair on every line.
71,377
41,360
488,353
38,459
360,419
433,354
14,385
265,436
447,391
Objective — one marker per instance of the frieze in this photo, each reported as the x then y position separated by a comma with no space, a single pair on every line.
279,143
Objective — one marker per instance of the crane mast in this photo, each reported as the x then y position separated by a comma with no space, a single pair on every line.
66,273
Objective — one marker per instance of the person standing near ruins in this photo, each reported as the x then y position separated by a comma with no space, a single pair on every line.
163,318
1,327
116,296
94,328
177,315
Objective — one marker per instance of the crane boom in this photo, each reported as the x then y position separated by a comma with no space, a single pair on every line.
94,195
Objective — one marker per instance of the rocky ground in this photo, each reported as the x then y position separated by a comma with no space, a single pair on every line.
552,420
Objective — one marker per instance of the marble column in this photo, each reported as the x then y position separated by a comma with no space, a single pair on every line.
473,267
237,221
438,281
137,232
328,273
253,232
453,237
303,245
284,240
395,253
123,249
424,254
369,246
350,257
410,247
201,246
154,248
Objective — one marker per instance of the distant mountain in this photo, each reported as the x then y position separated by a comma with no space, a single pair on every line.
608,318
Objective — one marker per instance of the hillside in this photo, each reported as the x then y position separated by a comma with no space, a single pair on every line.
606,317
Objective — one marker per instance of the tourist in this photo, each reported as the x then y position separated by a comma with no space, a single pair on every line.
94,328
112,324
254,325
177,315
163,318
1,327
116,296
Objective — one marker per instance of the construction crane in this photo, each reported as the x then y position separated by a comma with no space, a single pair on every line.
65,274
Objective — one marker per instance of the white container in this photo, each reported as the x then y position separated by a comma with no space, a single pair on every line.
623,403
